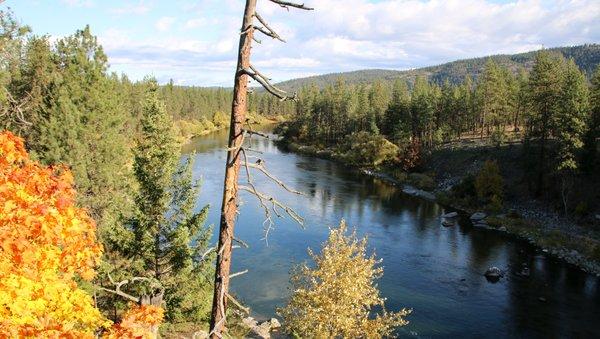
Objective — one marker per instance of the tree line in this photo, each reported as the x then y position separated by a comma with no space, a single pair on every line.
553,109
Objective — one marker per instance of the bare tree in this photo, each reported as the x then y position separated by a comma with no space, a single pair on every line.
235,152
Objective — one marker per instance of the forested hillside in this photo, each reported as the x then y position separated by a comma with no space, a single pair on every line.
585,56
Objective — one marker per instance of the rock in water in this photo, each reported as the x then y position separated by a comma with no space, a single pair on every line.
450,215
478,216
493,274
448,223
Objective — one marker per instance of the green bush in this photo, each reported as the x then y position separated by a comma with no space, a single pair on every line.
465,189
421,181
369,150
489,185
220,119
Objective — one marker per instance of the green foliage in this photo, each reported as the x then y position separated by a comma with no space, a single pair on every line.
81,122
569,123
489,185
587,57
338,297
421,181
369,150
169,237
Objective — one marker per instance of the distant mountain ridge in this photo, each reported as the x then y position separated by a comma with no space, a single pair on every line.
587,57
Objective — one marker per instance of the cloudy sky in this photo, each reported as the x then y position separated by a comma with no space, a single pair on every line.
194,42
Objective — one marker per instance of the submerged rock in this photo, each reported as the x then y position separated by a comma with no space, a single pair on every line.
493,274
450,215
448,223
478,216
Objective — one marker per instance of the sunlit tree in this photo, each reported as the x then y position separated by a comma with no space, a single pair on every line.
337,297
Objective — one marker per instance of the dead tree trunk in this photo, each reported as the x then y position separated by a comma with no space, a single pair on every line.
229,205
235,151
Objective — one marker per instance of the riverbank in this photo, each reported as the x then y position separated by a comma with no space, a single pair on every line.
520,217
186,130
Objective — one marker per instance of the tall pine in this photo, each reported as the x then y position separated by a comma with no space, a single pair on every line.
81,124
170,237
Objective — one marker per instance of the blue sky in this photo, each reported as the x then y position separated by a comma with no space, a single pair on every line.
194,42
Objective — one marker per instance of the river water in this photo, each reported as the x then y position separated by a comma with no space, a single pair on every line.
437,271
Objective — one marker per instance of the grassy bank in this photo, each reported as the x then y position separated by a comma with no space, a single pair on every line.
188,129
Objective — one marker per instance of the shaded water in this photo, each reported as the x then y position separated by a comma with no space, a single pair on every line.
434,270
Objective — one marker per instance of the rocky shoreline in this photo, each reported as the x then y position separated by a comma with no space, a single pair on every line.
499,223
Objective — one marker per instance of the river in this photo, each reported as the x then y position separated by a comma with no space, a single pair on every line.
437,271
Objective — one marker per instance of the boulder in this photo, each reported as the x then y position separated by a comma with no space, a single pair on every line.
275,323
478,216
493,274
450,215
448,223
481,223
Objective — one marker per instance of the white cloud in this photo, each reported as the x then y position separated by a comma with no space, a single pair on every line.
195,23
164,24
78,3
394,34
140,7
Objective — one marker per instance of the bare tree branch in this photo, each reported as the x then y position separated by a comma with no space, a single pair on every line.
287,4
267,30
238,274
238,304
261,196
256,133
259,165
266,84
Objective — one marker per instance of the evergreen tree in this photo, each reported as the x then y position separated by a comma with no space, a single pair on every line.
82,124
421,109
170,238
569,125
397,116
544,93
494,104
593,130
378,102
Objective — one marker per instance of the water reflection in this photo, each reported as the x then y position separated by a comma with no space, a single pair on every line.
435,270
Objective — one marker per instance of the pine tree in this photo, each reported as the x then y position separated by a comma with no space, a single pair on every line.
569,125
494,104
421,109
589,160
170,238
544,95
82,125
397,116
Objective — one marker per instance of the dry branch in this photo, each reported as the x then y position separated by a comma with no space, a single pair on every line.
237,274
287,4
238,304
267,30
266,84
259,165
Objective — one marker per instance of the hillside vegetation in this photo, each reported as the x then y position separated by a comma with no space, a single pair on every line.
585,57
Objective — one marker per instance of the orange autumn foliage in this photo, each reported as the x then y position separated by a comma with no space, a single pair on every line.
45,243
138,322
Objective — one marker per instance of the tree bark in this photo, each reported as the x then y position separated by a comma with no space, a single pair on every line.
229,205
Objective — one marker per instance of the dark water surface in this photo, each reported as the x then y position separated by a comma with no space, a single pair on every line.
434,270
